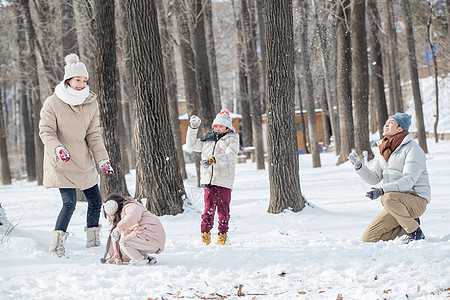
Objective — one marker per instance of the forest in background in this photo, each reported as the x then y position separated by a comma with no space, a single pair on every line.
149,62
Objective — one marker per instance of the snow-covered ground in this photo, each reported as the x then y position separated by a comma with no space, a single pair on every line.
313,254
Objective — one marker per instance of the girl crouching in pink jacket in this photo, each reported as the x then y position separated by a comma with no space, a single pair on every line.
140,232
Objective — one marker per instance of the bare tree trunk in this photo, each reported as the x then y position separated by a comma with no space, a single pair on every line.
126,83
210,46
156,154
253,77
324,59
302,117
377,65
325,114
27,120
360,94
436,86
306,70
202,74
187,66
165,22
262,41
69,36
46,40
35,91
83,21
344,80
285,192
447,4
5,171
421,134
393,58
246,123
105,65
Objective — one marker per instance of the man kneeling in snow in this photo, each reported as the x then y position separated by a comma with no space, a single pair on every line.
405,191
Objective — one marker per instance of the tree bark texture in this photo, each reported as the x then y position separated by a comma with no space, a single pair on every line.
243,93
47,43
360,89
393,59
210,46
313,140
126,81
188,69
285,192
105,65
262,42
165,23
69,35
436,74
156,155
35,91
412,63
202,74
325,59
25,102
253,76
344,80
376,64
5,170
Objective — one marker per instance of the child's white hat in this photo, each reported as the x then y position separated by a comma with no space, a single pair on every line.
223,118
110,207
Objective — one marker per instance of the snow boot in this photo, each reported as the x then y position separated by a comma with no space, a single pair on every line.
222,239
414,236
57,246
206,237
93,236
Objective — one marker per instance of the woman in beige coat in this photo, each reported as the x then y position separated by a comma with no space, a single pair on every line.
70,130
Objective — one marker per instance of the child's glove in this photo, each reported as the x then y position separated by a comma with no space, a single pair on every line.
63,153
194,121
207,162
115,234
374,193
354,159
105,167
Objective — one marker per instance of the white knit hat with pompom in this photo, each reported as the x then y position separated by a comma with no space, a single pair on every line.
74,67
223,118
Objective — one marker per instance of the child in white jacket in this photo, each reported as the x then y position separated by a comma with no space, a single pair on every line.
219,150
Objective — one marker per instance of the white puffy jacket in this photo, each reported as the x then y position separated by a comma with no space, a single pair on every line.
225,151
405,171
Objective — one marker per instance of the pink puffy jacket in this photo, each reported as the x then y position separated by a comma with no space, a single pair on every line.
136,218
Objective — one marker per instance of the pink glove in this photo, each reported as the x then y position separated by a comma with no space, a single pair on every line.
105,167
63,153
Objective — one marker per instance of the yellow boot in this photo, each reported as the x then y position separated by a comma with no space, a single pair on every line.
206,237
222,238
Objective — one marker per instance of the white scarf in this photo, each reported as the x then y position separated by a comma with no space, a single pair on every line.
71,96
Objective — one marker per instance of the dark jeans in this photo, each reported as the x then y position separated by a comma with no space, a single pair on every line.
69,198
216,197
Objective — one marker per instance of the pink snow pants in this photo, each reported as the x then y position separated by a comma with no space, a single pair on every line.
220,197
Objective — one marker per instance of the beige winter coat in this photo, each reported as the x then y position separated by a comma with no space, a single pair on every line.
77,128
224,151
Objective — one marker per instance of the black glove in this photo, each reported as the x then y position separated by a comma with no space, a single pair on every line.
374,193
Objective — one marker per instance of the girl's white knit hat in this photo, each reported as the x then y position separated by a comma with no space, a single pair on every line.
223,118
74,67
110,207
